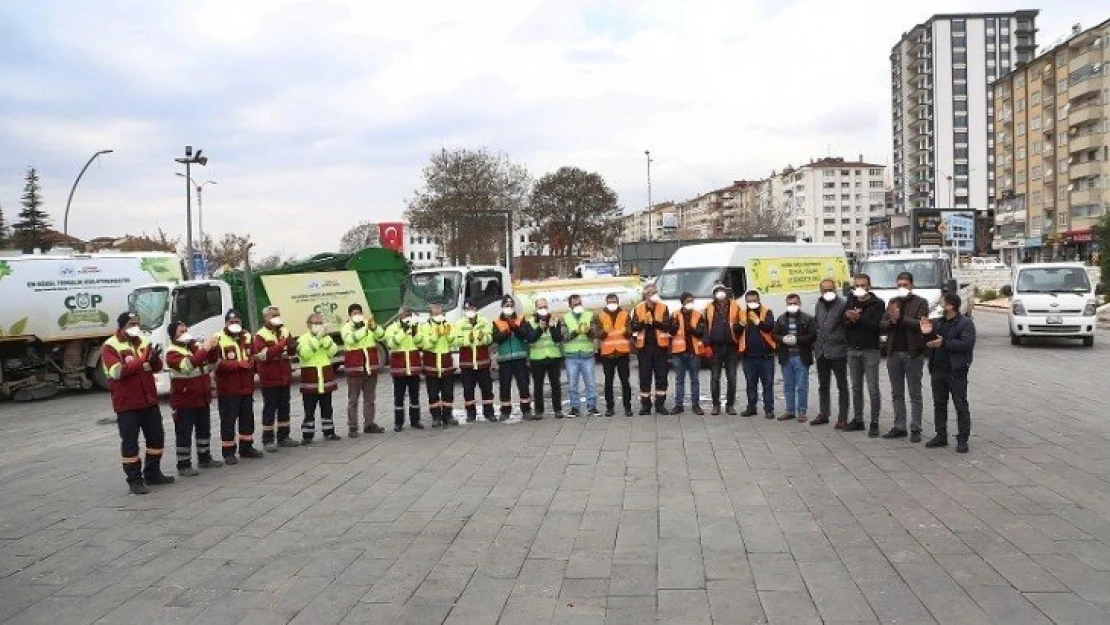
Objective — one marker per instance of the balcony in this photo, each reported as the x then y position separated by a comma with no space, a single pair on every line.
1089,141
1085,170
1085,196
1085,88
1089,113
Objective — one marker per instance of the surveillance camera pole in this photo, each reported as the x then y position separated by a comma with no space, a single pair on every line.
187,162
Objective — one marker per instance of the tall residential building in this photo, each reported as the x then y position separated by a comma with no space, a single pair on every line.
1052,149
941,72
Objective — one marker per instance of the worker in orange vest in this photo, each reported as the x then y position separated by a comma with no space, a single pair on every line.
722,338
652,326
615,329
686,354
757,349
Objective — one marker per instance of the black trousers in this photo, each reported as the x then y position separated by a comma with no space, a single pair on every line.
236,410
950,384
826,368
483,380
275,413
148,421
406,385
186,421
441,396
514,370
727,359
327,422
619,366
652,362
550,369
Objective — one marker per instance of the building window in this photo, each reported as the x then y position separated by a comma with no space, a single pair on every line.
959,26
846,197
830,185
959,57
412,255
876,184
960,88
961,137
875,172
829,197
845,172
961,169
1020,153
829,173
1020,130
959,73
846,185
1035,124
961,153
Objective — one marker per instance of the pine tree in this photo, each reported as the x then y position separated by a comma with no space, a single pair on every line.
3,229
30,231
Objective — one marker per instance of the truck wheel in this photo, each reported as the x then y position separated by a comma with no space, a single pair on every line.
1014,339
98,376
1088,341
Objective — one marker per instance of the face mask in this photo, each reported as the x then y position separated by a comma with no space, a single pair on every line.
612,307
903,291
185,338
828,296
235,328
439,318
655,299
470,314
720,295
541,312
406,321
357,318
753,305
577,310
275,321
859,291
317,329
688,306
508,311
793,308
132,331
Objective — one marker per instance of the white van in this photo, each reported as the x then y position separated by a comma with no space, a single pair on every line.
1055,300
932,275
773,269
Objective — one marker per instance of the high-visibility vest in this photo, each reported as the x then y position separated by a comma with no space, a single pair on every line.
436,340
317,374
545,347
659,312
678,342
582,343
511,348
187,370
768,337
404,355
473,336
614,341
733,317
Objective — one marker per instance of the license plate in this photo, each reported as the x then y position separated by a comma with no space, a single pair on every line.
1054,320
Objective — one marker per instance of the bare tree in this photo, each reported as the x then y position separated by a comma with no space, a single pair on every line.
364,234
159,242
228,253
575,211
763,222
466,201
273,261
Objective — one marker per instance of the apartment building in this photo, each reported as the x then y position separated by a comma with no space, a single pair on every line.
943,119
661,222
1052,149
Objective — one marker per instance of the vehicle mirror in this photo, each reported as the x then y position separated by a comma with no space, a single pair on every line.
1100,289
951,286
1007,291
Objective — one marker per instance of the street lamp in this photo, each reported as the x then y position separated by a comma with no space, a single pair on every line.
188,161
200,209
647,153
65,220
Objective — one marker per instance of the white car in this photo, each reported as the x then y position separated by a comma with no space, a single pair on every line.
1053,300
990,262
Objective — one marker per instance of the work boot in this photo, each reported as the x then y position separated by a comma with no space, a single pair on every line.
895,433
352,433
270,447
332,436
750,411
661,406
820,420
961,447
697,410
417,426
187,471
730,411
716,411
471,417
628,410
504,416
856,425
490,417
915,436
159,479
873,430
436,424
373,428
609,411
288,442
770,414
937,441
206,462
398,428
786,416
230,460
138,488
678,410
250,452
841,423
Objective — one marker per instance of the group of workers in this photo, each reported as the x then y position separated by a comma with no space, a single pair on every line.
533,351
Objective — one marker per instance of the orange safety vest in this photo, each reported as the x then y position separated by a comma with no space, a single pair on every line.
768,338
733,317
678,343
614,340
662,339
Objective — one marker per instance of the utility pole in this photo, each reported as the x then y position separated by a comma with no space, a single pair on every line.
647,153
187,162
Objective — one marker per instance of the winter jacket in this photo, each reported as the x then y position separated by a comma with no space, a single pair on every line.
404,352
544,343
131,385
806,333
272,351
831,343
914,309
864,333
957,348
317,372
511,337
360,347
473,336
235,369
437,342
190,370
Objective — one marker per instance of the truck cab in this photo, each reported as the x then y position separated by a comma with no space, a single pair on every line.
932,275
451,287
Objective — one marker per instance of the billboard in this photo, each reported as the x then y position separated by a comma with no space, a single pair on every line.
944,228
328,293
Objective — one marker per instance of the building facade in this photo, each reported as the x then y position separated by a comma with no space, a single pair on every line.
943,120
1052,150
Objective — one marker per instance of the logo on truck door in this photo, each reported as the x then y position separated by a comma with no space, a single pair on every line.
83,311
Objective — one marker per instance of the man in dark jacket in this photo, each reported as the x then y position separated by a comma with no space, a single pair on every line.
862,317
722,321
794,333
831,353
905,363
757,351
951,342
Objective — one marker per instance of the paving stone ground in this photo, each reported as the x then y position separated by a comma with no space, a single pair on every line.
673,519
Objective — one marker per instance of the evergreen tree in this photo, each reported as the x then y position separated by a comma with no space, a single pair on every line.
30,231
3,229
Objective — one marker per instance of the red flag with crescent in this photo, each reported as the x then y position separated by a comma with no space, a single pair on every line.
392,236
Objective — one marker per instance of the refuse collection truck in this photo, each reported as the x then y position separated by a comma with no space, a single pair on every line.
56,310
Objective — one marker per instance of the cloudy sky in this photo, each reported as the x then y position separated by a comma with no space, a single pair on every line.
319,114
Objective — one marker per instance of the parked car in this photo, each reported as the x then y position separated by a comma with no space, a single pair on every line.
988,262
1053,300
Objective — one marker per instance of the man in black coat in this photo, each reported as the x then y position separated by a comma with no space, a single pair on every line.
951,343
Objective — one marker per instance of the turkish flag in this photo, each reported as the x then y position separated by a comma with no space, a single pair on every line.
392,236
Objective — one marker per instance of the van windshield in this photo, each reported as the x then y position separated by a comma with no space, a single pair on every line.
699,282
432,287
1053,280
927,272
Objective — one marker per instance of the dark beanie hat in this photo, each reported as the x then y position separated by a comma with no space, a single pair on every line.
232,314
508,299
124,318
178,321
353,307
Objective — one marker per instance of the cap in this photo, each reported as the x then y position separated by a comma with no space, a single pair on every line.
719,287
124,318
470,304
232,314
353,307
508,299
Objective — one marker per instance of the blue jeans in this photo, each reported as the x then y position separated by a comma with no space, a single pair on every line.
795,381
760,371
581,368
686,364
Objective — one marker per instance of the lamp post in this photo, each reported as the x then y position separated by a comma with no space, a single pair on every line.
65,219
647,153
200,209
188,161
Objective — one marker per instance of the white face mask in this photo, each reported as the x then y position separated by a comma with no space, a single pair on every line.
357,318
655,299
577,310
132,331
903,291
688,306
185,338
828,296
439,318
720,295
611,307
753,305
508,311
793,308
470,314
317,329
276,322
541,312
859,291
235,328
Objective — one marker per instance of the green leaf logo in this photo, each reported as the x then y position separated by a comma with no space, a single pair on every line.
5,269
18,327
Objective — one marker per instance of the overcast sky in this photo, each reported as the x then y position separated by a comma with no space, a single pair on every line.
319,114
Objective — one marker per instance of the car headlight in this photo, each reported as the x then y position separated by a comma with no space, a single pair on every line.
1019,308
1090,310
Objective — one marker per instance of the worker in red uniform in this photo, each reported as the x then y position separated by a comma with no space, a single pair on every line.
273,347
130,363
189,364
235,390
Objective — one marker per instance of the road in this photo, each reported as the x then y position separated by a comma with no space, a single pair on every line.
681,519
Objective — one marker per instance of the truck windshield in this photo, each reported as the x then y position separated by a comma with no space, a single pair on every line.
672,283
1053,280
927,272
432,287
150,304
